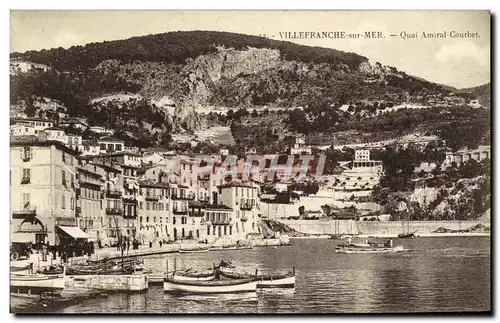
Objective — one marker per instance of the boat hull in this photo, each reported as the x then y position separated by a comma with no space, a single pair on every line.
216,287
276,283
37,284
194,278
194,251
368,250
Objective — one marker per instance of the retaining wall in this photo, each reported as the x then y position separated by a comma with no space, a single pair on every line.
118,283
374,228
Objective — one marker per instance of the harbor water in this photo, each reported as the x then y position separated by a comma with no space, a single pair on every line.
444,274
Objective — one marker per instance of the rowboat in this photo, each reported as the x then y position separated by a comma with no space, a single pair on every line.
171,285
267,281
366,248
194,250
36,284
189,275
227,270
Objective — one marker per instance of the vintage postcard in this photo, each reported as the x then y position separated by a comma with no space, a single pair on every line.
250,162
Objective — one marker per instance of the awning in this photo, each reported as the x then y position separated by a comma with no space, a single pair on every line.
74,232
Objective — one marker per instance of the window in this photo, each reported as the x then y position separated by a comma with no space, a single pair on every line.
63,177
147,219
140,205
140,219
154,219
26,200
208,230
26,176
27,154
72,202
147,205
63,202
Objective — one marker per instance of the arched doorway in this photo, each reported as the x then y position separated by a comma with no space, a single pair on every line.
35,226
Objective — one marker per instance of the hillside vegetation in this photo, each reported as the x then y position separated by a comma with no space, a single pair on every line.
165,78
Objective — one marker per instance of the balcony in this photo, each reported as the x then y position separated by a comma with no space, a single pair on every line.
26,180
180,211
223,221
152,197
246,207
26,158
114,194
182,197
114,211
24,212
195,213
244,217
64,183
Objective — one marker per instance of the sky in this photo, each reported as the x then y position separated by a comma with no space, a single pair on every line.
456,61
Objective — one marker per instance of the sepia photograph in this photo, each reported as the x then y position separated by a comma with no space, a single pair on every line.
261,162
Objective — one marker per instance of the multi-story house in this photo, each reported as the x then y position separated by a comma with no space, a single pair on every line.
114,223
90,211
154,211
39,123
181,198
21,129
43,198
110,145
129,163
243,198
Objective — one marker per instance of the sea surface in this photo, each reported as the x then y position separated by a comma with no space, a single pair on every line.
447,274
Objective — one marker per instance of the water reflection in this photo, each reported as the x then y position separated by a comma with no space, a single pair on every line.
438,274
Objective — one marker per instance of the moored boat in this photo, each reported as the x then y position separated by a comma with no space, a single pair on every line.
228,270
171,285
36,284
386,247
410,235
200,250
189,275
267,280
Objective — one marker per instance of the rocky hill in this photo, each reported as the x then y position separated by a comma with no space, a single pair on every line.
154,84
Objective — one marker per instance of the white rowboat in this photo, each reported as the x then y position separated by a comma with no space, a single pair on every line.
209,287
35,284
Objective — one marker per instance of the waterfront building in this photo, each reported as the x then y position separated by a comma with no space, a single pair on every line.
243,198
154,212
90,211
42,187
184,226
